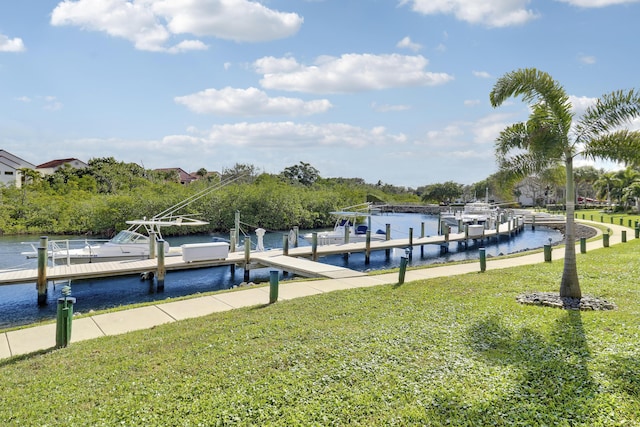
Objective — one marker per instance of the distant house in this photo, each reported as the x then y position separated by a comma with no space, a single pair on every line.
183,176
49,168
10,166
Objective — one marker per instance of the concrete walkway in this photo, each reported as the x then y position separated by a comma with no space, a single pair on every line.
38,338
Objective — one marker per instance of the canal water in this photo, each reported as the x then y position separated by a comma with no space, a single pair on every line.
18,303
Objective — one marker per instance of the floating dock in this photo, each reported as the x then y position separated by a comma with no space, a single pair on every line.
299,260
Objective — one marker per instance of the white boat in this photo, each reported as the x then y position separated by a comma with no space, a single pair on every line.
481,213
132,243
348,218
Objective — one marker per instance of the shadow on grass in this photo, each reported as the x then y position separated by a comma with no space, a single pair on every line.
548,380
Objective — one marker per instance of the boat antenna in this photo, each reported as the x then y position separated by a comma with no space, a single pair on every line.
171,211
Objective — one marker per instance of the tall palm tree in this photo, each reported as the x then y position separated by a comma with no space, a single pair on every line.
550,136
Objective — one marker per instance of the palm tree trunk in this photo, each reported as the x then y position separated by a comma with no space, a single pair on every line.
570,285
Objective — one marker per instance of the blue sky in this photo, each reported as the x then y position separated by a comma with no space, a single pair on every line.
395,91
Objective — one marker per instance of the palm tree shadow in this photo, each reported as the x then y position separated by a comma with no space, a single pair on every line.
551,381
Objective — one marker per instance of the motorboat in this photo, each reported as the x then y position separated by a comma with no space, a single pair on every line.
136,242
350,218
473,213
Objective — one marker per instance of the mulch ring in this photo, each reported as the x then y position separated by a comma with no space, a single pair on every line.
550,299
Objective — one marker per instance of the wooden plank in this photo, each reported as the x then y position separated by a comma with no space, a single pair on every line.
304,267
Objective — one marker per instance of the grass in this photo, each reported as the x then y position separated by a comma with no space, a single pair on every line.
450,351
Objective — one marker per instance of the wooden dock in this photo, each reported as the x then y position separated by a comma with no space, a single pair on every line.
293,261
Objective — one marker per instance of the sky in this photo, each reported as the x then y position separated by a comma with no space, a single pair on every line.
390,91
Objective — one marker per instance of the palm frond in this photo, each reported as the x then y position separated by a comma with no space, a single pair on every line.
535,87
514,137
620,146
523,164
609,112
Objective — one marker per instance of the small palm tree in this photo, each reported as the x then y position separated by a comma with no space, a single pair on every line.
550,137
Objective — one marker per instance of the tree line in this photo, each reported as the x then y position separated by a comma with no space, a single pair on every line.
100,199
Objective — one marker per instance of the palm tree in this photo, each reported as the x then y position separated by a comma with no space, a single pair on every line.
550,136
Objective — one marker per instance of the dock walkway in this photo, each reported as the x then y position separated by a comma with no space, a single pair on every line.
256,259
39,338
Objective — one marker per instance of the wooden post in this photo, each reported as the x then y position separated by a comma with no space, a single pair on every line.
152,245
314,246
162,270
232,240
285,244
237,227
410,242
296,230
367,250
388,237
347,229
247,258
42,270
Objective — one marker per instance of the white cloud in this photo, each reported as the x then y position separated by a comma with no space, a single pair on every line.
587,59
482,74
295,135
384,108
471,102
24,99
580,104
445,136
487,129
347,74
143,22
249,102
596,3
51,103
406,43
11,45
239,20
500,13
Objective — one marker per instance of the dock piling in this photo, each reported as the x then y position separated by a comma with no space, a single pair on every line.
314,246
162,270
42,271
247,258
285,244
367,248
152,244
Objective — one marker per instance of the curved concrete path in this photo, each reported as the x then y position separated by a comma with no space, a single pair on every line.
38,338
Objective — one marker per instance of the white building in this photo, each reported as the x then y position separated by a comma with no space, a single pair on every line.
50,167
10,166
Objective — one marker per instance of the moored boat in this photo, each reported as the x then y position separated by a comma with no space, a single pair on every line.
348,225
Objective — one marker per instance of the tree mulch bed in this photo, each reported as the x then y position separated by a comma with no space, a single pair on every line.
581,230
550,299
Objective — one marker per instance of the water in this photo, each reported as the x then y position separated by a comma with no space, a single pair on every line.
18,303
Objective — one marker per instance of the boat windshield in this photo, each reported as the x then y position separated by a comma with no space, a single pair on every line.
128,236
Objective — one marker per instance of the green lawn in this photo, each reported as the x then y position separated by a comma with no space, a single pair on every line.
451,351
